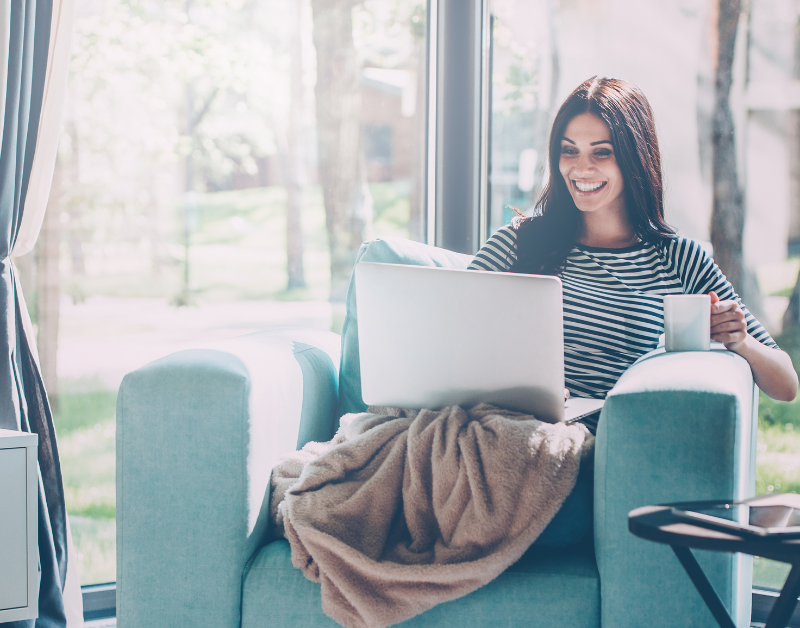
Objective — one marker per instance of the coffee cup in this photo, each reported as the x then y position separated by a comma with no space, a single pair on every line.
687,322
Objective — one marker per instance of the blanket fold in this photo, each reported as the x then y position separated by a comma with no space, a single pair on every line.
403,510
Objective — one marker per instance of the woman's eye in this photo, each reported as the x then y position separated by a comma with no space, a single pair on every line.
602,153
568,150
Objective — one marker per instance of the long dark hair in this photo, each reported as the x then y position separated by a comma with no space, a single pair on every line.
545,240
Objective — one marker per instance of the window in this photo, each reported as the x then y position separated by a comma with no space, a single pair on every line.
206,150
211,152
542,50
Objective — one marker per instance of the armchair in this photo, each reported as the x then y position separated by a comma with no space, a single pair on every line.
199,431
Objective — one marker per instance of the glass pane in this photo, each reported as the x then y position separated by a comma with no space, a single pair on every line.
220,164
524,78
541,51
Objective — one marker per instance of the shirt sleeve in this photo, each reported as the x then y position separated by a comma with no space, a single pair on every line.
699,274
499,253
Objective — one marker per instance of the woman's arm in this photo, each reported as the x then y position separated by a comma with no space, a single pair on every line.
772,368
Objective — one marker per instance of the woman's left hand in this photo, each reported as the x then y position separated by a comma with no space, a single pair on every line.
728,324
772,368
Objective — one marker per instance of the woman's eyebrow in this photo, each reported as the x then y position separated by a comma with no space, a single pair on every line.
566,139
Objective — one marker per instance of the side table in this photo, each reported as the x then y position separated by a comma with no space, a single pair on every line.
657,523
19,531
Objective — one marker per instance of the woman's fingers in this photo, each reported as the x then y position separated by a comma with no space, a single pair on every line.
726,311
731,316
728,324
730,327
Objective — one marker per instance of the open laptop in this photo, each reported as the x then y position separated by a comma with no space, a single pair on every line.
434,337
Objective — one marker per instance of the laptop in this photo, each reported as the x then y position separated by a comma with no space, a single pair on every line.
435,337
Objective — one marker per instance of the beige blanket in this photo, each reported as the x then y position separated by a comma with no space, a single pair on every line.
404,510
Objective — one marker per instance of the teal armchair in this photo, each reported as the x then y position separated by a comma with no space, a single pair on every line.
199,431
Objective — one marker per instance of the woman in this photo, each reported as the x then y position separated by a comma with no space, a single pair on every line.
600,227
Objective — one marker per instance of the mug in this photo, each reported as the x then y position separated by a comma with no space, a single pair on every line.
687,322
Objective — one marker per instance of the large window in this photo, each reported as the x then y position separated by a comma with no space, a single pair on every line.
221,162
541,50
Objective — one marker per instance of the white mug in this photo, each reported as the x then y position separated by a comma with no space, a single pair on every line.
687,322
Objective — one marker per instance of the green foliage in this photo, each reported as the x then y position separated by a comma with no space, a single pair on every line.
769,574
83,409
95,548
391,209
783,413
778,462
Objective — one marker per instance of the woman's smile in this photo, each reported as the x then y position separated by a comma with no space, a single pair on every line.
584,187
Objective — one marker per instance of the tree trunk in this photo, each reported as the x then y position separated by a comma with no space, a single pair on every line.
791,318
727,219
49,288
418,197
294,160
74,208
348,205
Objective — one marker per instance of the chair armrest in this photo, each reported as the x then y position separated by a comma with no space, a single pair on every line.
676,427
198,433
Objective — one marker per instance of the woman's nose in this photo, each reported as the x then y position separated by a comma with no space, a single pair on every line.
583,165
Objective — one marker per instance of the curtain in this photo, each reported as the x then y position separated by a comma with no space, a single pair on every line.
35,29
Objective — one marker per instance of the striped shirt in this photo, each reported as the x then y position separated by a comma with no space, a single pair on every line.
613,306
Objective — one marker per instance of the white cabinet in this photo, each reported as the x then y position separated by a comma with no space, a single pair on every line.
19,532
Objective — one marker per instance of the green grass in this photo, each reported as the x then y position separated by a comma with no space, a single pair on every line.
769,574
83,409
85,423
778,458
237,248
95,546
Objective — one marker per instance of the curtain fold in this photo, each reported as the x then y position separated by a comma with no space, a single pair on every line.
23,399
55,89
5,36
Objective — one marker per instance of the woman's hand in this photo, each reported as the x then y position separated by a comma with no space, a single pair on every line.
728,325
772,368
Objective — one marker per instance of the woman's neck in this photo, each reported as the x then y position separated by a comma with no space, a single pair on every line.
607,231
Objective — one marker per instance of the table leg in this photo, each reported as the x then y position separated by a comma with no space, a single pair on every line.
704,587
784,606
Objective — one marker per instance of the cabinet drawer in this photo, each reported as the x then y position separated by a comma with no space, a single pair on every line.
19,547
13,528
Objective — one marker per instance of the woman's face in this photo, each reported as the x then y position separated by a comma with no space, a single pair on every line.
589,166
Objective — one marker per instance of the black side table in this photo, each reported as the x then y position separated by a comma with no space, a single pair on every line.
657,523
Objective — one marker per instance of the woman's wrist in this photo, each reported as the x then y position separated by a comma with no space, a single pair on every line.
772,368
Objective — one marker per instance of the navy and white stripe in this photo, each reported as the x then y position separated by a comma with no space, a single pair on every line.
613,306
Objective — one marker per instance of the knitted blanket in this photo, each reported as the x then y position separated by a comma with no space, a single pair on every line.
403,510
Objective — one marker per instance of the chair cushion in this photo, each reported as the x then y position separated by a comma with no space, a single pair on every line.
388,251
547,587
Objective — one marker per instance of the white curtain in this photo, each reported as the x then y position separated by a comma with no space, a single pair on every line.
55,88
44,160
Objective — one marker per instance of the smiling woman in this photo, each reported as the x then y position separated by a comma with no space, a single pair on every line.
599,226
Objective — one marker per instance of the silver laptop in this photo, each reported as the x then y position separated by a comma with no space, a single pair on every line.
434,337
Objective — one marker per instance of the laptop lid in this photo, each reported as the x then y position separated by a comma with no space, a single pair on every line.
433,337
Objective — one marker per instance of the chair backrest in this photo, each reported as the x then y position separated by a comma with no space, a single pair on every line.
388,251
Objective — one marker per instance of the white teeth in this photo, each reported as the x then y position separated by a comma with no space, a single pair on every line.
588,187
